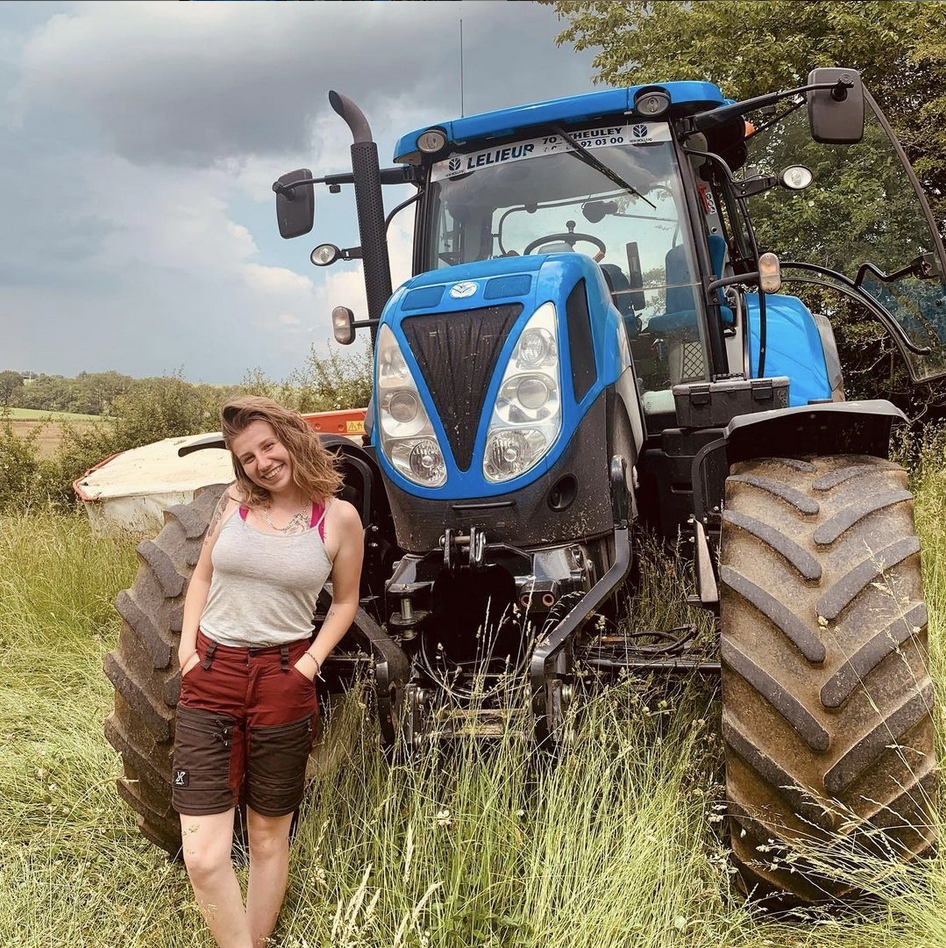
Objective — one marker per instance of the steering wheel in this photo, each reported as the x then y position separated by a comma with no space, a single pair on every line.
571,238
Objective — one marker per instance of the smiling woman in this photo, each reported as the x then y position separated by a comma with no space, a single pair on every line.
247,712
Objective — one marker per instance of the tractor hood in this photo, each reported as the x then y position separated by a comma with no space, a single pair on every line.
483,371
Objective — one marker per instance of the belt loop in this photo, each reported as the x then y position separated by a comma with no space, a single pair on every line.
209,656
284,657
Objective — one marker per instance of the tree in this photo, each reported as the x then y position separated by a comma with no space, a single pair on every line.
748,48
10,382
94,392
47,393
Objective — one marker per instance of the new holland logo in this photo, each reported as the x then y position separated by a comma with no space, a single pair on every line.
639,131
454,164
460,291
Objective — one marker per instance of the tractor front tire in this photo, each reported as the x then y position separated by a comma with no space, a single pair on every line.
144,670
827,696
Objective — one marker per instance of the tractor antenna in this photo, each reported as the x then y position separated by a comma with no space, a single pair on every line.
461,67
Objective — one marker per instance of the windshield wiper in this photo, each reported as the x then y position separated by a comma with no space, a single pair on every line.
589,159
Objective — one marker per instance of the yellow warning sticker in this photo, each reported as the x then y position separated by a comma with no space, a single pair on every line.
355,427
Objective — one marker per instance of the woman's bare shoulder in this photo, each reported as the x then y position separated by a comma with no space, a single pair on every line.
343,514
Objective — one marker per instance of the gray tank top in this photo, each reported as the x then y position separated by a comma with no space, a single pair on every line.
264,586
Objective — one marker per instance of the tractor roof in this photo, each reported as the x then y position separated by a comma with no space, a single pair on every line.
686,96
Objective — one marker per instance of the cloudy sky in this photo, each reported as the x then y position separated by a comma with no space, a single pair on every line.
138,146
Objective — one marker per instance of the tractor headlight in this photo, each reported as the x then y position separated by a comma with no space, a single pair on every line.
407,436
527,414
535,347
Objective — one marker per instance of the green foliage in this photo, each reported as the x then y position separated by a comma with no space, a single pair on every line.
19,464
9,383
163,408
860,198
149,410
324,383
749,48
89,393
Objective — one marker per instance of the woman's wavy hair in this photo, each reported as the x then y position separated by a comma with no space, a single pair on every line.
314,470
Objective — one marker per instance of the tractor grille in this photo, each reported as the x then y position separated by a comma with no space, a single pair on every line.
457,355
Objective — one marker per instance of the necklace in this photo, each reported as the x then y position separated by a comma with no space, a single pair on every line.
297,522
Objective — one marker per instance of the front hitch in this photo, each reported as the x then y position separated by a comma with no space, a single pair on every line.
552,662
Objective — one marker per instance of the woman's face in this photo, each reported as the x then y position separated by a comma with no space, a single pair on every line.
263,456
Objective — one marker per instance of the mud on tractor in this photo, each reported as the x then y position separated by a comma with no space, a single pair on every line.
597,345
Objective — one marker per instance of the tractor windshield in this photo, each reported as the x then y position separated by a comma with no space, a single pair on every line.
861,227
620,202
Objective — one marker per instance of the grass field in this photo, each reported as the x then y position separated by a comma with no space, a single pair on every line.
36,414
620,845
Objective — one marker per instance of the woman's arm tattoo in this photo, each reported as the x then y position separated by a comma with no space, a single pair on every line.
217,515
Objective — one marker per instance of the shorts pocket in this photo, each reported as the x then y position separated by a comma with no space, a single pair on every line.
276,768
298,674
200,771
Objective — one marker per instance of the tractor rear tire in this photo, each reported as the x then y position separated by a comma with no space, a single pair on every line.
144,670
827,696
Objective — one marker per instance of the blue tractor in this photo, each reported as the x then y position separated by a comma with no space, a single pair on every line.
597,346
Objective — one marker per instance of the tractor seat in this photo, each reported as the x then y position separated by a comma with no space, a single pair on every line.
680,315
620,288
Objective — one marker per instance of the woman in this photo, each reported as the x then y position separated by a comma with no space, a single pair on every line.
247,711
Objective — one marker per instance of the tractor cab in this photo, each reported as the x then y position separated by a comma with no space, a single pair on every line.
613,189
676,195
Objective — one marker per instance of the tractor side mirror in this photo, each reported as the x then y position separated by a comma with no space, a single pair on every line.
836,115
295,203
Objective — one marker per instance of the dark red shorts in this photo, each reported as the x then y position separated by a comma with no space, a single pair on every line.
245,721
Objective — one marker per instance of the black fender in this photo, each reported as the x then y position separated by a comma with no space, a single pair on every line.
808,430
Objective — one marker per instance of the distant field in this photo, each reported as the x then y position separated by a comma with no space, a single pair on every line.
22,414
50,423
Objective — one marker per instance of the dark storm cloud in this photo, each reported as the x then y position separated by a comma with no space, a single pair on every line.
197,83
138,143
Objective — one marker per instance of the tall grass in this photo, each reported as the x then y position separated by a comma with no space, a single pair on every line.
621,843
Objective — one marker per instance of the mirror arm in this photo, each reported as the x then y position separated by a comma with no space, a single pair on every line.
750,186
707,120
400,207
332,180
920,268
400,174
752,277
745,188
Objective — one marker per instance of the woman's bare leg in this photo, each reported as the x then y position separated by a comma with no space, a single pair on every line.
269,872
207,841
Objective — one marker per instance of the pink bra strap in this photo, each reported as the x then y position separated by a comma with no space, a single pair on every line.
243,512
318,519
